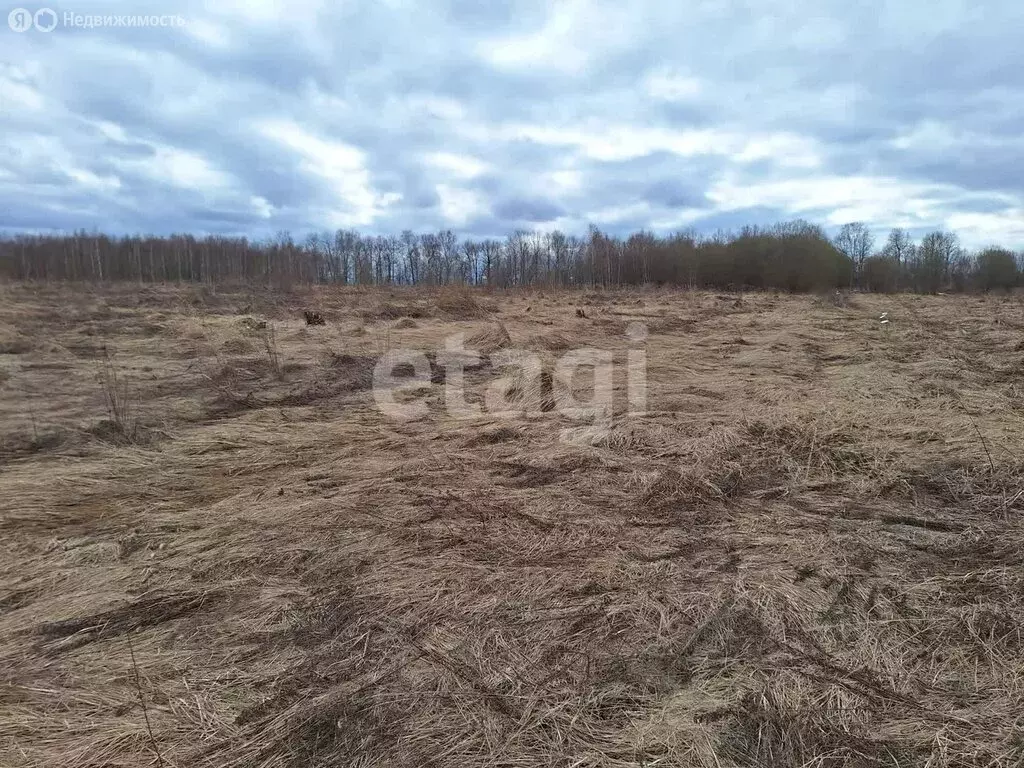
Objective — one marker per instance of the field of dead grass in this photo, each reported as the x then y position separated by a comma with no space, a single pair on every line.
216,551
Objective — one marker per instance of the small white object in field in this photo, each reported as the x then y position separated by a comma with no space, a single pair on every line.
884,317
885,322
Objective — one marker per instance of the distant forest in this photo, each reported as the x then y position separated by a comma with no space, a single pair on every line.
793,256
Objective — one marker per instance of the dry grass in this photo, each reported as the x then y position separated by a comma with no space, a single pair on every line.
489,339
806,552
459,303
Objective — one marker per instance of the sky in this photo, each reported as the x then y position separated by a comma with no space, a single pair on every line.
251,117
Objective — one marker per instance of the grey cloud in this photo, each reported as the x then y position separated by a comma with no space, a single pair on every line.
673,194
534,210
399,82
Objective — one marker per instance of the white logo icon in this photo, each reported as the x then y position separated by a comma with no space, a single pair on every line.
19,20
22,20
45,19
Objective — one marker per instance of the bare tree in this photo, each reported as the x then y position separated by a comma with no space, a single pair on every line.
793,256
899,246
411,248
448,244
856,242
934,257
492,260
470,261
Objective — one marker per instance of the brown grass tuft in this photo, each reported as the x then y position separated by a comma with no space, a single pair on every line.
459,303
555,341
389,310
489,340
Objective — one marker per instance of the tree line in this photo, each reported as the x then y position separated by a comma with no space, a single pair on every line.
791,256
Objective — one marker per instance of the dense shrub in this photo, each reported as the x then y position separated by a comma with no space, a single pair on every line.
881,274
996,269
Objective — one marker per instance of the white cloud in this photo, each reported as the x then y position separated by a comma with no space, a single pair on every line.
551,46
669,85
92,181
882,202
624,141
847,198
464,166
16,95
563,181
34,154
261,206
784,149
978,230
676,220
928,134
111,130
264,12
185,169
209,33
574,34
341,165
459,205
616,214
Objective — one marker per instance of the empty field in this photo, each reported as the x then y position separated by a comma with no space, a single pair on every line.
216,550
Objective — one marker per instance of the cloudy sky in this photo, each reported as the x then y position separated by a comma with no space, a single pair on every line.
255,116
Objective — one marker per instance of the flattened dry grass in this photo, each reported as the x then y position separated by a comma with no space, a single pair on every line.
804,552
